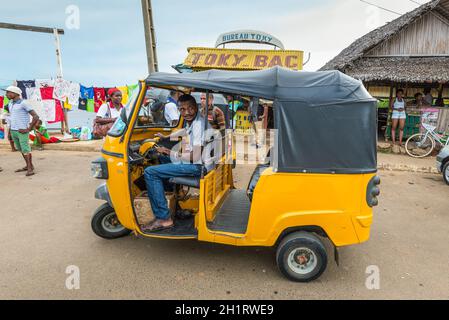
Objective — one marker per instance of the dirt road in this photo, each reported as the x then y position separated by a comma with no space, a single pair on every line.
45,227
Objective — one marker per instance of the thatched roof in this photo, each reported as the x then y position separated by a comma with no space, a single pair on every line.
348,59
401,69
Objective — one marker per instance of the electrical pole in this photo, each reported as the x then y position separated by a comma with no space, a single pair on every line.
60,75
56,33
150,38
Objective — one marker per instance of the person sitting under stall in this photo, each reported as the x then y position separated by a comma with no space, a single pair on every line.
41,136
428,98
187,162
419,100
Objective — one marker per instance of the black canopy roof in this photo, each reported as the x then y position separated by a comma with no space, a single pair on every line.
327,87
326,121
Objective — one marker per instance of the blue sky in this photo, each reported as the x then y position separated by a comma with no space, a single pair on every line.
109,47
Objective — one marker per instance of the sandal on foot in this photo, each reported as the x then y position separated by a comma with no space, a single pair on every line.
156,226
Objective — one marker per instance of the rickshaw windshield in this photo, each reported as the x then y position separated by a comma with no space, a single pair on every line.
158,110
121,124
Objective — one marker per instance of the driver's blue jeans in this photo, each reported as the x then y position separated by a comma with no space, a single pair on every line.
156,179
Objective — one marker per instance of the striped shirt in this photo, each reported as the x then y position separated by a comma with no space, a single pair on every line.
217,118
20,115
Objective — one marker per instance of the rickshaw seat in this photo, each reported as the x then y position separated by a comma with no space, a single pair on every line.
191,182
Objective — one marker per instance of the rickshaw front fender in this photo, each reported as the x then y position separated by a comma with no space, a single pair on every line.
102,193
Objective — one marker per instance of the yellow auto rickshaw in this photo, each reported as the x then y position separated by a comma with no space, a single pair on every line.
320,180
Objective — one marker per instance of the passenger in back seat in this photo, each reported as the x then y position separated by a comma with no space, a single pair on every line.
215,116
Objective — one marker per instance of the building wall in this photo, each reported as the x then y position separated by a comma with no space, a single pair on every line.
427,36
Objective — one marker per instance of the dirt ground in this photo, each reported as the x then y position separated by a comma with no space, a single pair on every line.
45,227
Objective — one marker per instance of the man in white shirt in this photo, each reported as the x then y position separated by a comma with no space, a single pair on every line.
187,162
171,111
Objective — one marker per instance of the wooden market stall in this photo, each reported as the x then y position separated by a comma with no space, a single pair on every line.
411,53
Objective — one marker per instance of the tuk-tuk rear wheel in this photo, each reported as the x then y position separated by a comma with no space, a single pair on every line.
106,225
446,173
301,257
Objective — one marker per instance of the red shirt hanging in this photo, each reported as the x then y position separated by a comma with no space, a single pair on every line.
99,98
47,93
99,94
59,114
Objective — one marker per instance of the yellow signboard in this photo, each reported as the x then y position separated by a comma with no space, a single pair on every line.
236,59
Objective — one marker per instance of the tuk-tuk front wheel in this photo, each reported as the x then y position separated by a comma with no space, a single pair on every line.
301,257
105,224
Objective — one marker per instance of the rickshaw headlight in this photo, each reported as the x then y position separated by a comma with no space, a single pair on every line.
99,169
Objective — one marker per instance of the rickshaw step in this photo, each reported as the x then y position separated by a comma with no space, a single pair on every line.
233,216
183,228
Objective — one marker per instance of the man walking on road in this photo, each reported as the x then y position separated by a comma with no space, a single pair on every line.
21,126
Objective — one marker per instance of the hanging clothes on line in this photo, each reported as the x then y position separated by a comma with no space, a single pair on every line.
82,105
67,95
24,85
90,105
74,94
47,93
100,98
100,94
66,105
131,89
5,101
86,93
59,114
45,83
49,107
125,96
61,89
34,94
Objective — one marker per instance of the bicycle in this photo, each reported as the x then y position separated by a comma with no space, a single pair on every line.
422,145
